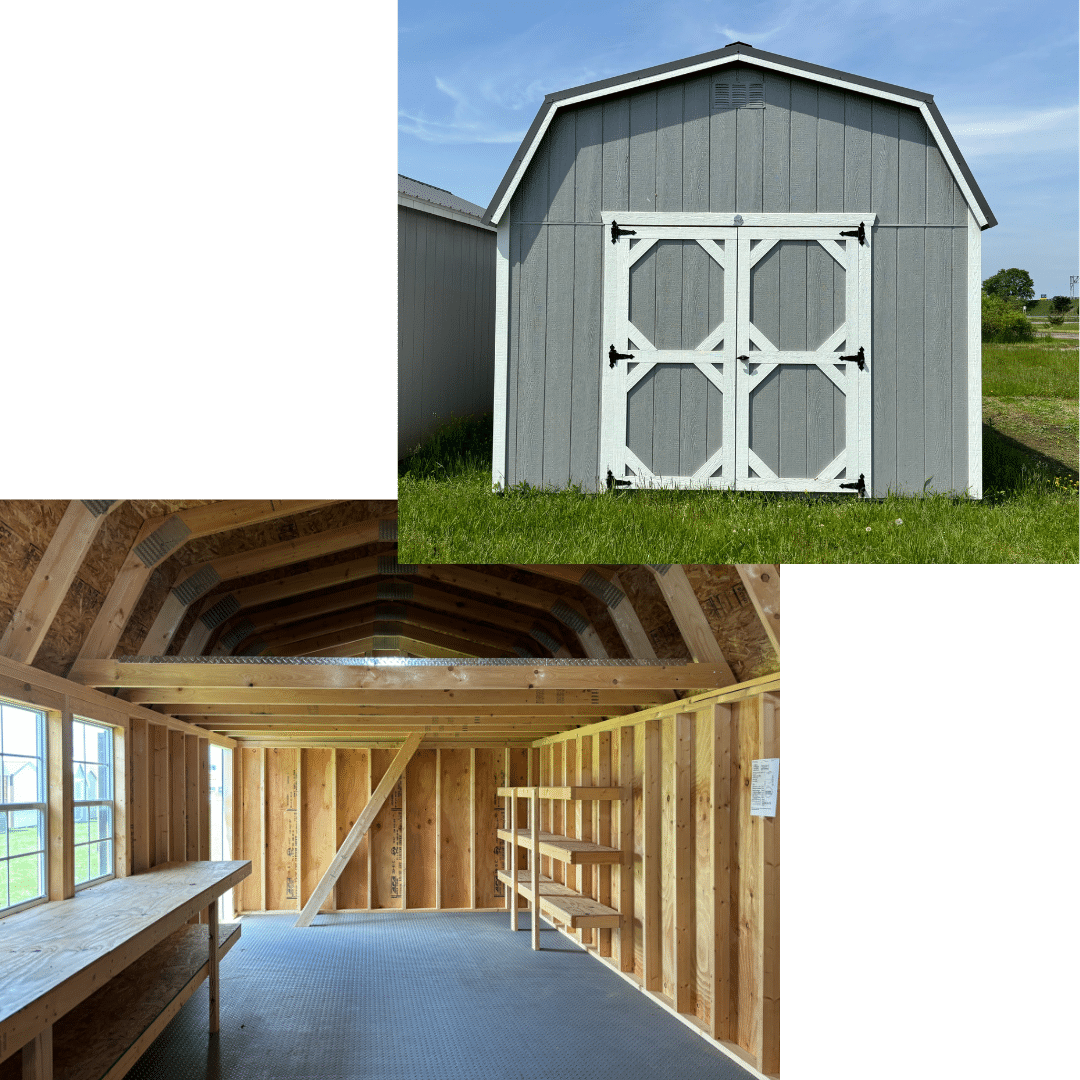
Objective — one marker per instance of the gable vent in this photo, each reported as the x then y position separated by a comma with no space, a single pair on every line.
738,95
386,643
388,564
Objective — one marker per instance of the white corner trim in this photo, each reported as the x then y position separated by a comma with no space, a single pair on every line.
954,166
502,356
974,273
435,210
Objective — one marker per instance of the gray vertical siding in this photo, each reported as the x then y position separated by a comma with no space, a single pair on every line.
446,323
813,148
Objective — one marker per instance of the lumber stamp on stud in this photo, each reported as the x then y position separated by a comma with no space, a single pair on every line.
359,830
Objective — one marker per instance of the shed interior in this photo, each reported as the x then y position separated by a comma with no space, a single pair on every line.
350,737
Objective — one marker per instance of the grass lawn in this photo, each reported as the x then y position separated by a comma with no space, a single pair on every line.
447,513
21,872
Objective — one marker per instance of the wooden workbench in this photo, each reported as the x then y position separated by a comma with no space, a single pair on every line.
129,935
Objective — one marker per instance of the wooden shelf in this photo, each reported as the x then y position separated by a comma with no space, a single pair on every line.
602,794
562,903
565,849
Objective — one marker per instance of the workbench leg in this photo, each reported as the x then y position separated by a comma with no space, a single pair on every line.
214,1024
37,1057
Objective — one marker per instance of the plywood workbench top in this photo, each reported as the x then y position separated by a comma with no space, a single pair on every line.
55,955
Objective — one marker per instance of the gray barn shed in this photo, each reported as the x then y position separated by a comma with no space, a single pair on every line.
446,310
739,270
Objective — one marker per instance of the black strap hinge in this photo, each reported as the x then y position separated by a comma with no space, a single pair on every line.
859,358
613,483
617,231
860,232
859,485
614,357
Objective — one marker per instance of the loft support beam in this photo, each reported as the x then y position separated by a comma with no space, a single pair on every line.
359,830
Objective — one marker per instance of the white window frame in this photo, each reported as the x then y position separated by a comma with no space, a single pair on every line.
110,802
42,806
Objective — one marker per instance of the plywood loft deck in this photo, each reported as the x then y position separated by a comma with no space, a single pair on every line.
373,735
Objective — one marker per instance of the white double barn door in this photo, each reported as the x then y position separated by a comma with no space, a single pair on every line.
732,351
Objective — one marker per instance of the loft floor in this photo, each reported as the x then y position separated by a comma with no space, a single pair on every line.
425,995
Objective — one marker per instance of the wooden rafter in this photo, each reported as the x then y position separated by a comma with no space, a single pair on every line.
157,540
762,584
52,578
690,619
196,581
358,831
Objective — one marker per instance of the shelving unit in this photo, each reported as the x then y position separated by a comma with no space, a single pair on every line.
554,899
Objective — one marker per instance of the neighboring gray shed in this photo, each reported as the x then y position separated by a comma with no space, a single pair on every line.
739,270
446,310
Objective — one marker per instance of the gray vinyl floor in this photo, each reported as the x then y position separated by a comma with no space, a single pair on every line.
424,995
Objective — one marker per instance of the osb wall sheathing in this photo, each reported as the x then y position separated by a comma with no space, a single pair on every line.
727,607
734,620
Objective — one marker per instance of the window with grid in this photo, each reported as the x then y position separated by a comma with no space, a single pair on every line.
23,870
92,761
221,817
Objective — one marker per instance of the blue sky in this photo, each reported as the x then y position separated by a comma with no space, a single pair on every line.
472,76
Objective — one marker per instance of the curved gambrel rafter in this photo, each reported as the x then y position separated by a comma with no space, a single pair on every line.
53,577
161,537
217,608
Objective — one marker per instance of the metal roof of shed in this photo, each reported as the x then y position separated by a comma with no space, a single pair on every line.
728,55
438,196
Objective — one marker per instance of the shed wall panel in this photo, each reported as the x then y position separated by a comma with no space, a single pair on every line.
811,149
446,323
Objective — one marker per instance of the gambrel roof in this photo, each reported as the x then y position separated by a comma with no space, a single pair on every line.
732,54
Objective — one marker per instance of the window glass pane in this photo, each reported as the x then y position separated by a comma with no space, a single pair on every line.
82,864
80,783
4,883
78,741
3,840
24,834
20,779
25,878
19,730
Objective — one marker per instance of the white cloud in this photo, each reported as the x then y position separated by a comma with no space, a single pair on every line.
1033,132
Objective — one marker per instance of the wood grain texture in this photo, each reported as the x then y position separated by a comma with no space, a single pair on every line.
353,792
318,825
282,870
750,943
421,809
56,955
487,806
249,897
454,837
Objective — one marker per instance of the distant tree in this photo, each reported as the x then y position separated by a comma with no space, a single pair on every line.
1014,284
1002,321
1061,303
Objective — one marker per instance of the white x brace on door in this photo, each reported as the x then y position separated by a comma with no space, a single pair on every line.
737,351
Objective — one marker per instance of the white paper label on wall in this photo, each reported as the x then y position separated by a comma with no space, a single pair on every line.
764,782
